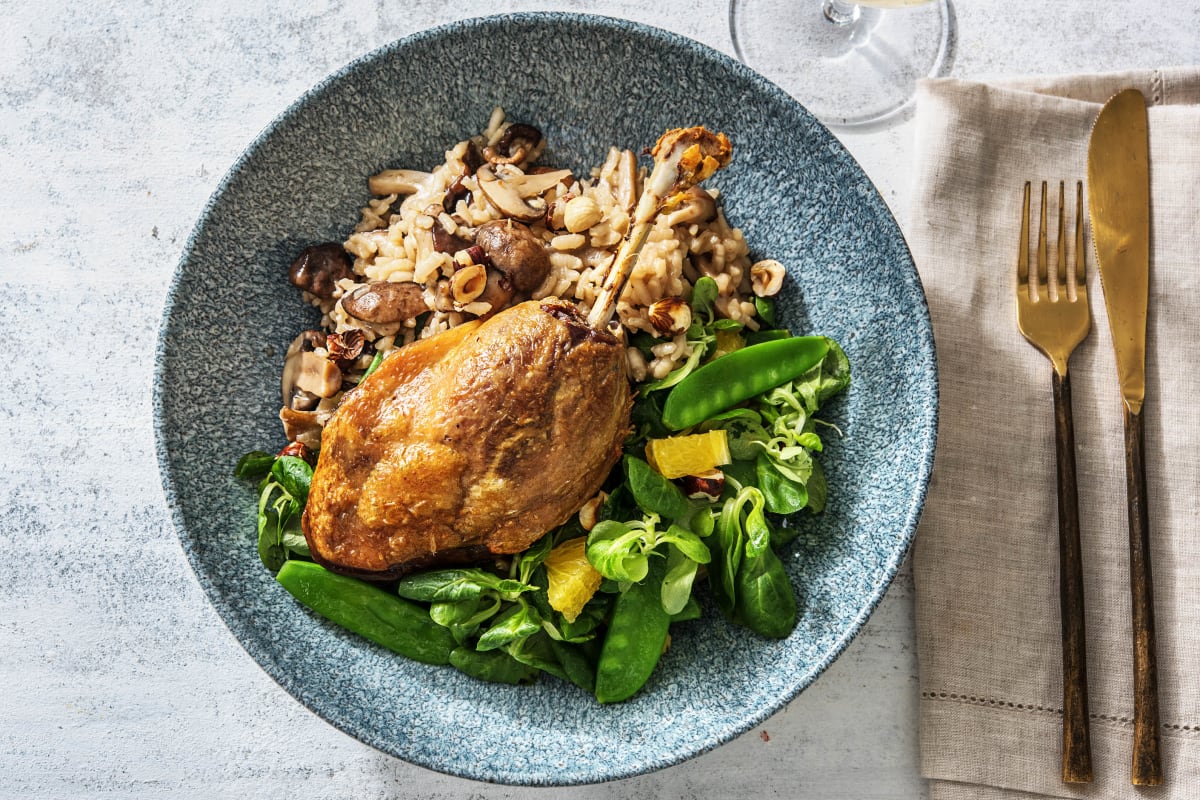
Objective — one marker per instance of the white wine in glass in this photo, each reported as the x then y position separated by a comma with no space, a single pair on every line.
850,64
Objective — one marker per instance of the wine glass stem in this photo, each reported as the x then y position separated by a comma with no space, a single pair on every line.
839,12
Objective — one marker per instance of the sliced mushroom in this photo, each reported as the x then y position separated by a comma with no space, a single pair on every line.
696,207
305,371
533,183
445,242
318,375
305,342
302,426
507,192
472,158
456,191
766,277
442,299
498,292
399,181
515,250
385,303
514,144
319,267
625,180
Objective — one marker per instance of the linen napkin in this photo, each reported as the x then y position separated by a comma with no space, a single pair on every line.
986,553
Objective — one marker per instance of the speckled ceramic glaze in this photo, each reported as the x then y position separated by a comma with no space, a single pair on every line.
587,82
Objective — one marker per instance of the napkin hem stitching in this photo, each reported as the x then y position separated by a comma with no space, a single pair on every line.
992,702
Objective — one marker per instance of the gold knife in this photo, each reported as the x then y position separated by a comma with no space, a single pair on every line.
1119,206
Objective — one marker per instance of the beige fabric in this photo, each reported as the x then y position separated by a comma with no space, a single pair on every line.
986,553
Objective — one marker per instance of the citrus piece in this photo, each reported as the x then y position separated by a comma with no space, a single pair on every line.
696,454
572,578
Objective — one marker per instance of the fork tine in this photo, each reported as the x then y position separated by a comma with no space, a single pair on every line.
1060,250
1023,253
1080,272
1042,254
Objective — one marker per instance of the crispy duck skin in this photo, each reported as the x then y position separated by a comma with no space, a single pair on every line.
472,443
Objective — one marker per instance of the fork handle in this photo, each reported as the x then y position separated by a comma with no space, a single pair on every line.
1076,744
1146,769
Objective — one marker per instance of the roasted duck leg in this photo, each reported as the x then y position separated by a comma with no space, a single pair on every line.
477,441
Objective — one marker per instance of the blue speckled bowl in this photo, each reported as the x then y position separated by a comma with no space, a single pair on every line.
587,82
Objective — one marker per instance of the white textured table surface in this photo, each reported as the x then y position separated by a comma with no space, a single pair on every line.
117,120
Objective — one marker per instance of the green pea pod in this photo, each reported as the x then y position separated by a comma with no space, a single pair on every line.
384,618
496,666
742,374
636,636
765,601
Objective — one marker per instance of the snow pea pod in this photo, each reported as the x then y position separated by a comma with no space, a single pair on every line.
636,636
384,618
740,375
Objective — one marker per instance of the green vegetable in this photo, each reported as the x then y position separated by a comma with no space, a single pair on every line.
458,584
701,335
765,307
634,643
768,335
739,376
375,362
747,578
621,551
783,496
371,612
576,664
690,611
518,622
653,493
496,666
294,475
254,466
765,602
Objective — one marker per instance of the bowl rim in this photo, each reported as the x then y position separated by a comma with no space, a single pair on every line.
482,772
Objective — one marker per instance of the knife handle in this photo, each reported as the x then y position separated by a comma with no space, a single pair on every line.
1076,741
1146,768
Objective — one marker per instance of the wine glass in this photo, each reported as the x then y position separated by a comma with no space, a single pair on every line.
850,64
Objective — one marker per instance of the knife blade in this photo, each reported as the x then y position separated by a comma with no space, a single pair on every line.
1119,207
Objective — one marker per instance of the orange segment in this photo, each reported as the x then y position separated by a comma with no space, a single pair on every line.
688,455
572,578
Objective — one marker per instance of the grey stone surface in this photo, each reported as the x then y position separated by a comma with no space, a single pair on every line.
116,122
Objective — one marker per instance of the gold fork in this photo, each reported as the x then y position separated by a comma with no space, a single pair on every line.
1052,313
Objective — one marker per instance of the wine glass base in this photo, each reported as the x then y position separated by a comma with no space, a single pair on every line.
849,75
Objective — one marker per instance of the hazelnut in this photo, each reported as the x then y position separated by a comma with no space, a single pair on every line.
670,315
580,214
705,487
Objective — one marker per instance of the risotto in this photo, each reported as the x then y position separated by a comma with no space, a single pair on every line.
419,230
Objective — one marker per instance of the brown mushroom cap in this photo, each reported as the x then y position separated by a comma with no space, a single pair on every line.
319,267
385,303
515,250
